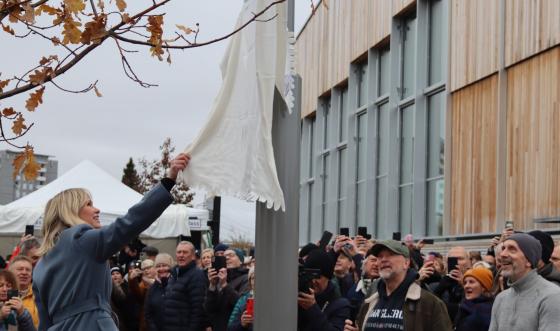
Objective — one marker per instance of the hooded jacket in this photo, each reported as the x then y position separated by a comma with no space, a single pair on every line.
550,273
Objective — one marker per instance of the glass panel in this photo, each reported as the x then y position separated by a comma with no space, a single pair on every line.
436,190
409,56
326,123
405,209
343,115
381,208
342,184
361,152
436,39
407,144
383,140
361,203
312,147
384,71
362,92
304,151
436,135
325,183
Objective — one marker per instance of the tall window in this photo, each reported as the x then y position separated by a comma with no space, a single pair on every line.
408,57
361,165
435,42
382,140
406,136
307,177
342,155
325,157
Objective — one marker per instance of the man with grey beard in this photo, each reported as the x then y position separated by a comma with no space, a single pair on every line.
399,303
531,302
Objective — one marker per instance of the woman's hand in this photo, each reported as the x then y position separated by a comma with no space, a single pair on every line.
179,163
213,276
348,326
16,304
246,320
222,276
427,270
5,311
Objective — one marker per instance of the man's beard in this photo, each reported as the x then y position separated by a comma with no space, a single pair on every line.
386,273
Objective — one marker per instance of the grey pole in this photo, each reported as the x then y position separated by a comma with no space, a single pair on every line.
277,232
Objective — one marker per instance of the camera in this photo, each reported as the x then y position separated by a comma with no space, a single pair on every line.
138,265
305,278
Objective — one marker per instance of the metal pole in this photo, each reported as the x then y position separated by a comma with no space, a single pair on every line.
277,233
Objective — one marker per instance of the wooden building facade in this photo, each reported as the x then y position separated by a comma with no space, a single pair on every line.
431,117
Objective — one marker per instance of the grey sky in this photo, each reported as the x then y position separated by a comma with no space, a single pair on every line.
131,121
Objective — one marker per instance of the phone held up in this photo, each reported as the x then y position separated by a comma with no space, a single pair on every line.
451,263
12,293
219,262
29,229
250,309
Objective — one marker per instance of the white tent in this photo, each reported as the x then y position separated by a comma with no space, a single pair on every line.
108,194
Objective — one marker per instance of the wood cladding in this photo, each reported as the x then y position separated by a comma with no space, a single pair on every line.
531,27
474,51
533,151
473,158
334,37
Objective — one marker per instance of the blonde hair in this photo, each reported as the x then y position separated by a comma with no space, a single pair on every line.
206,251
61,213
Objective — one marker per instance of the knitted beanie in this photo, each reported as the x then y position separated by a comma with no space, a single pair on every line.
547,244
530,247
482,275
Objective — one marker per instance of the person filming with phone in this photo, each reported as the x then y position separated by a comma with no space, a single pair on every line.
243,314
12,311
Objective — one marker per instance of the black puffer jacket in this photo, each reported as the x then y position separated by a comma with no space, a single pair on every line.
184,299
219,303
153,305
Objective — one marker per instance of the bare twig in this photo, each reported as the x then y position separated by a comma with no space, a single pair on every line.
87,89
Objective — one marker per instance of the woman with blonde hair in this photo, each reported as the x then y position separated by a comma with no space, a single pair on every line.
72,281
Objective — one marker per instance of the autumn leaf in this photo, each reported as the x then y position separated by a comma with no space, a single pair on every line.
184,29
155,24
94,31
8,29
71,32
35,99
18,162
31,169
55,41
44,8
14,16
19,125
4,83
121,4
74,6
126,18
29,13
39,76
99,95
8,112
101,5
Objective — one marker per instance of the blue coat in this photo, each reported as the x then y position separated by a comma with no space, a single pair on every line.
72,283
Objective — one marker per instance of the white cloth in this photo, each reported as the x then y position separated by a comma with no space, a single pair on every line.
233,154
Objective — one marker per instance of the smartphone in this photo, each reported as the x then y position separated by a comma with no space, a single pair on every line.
219,262
250,309
325,239
428,241
509,224
29,229
345,232
397,236
451,263
362,231
12,293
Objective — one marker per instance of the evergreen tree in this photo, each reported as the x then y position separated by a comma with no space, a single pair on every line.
130,176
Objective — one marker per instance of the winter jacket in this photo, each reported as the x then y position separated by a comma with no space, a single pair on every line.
184,299
422,310
357,294
153,305
328,314
29,303
234,323
452,293
531,303
220,302
24,322
475,314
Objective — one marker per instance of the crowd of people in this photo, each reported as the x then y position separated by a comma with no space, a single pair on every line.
81,276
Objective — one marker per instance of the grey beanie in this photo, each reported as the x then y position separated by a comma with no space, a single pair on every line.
530,247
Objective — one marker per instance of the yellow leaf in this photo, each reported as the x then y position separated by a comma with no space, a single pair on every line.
35,99
71,32
18,162
46,9
8,29
155,24
4,83
31,169
74,6
19,125
8,112
99,95
121,4
184,29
